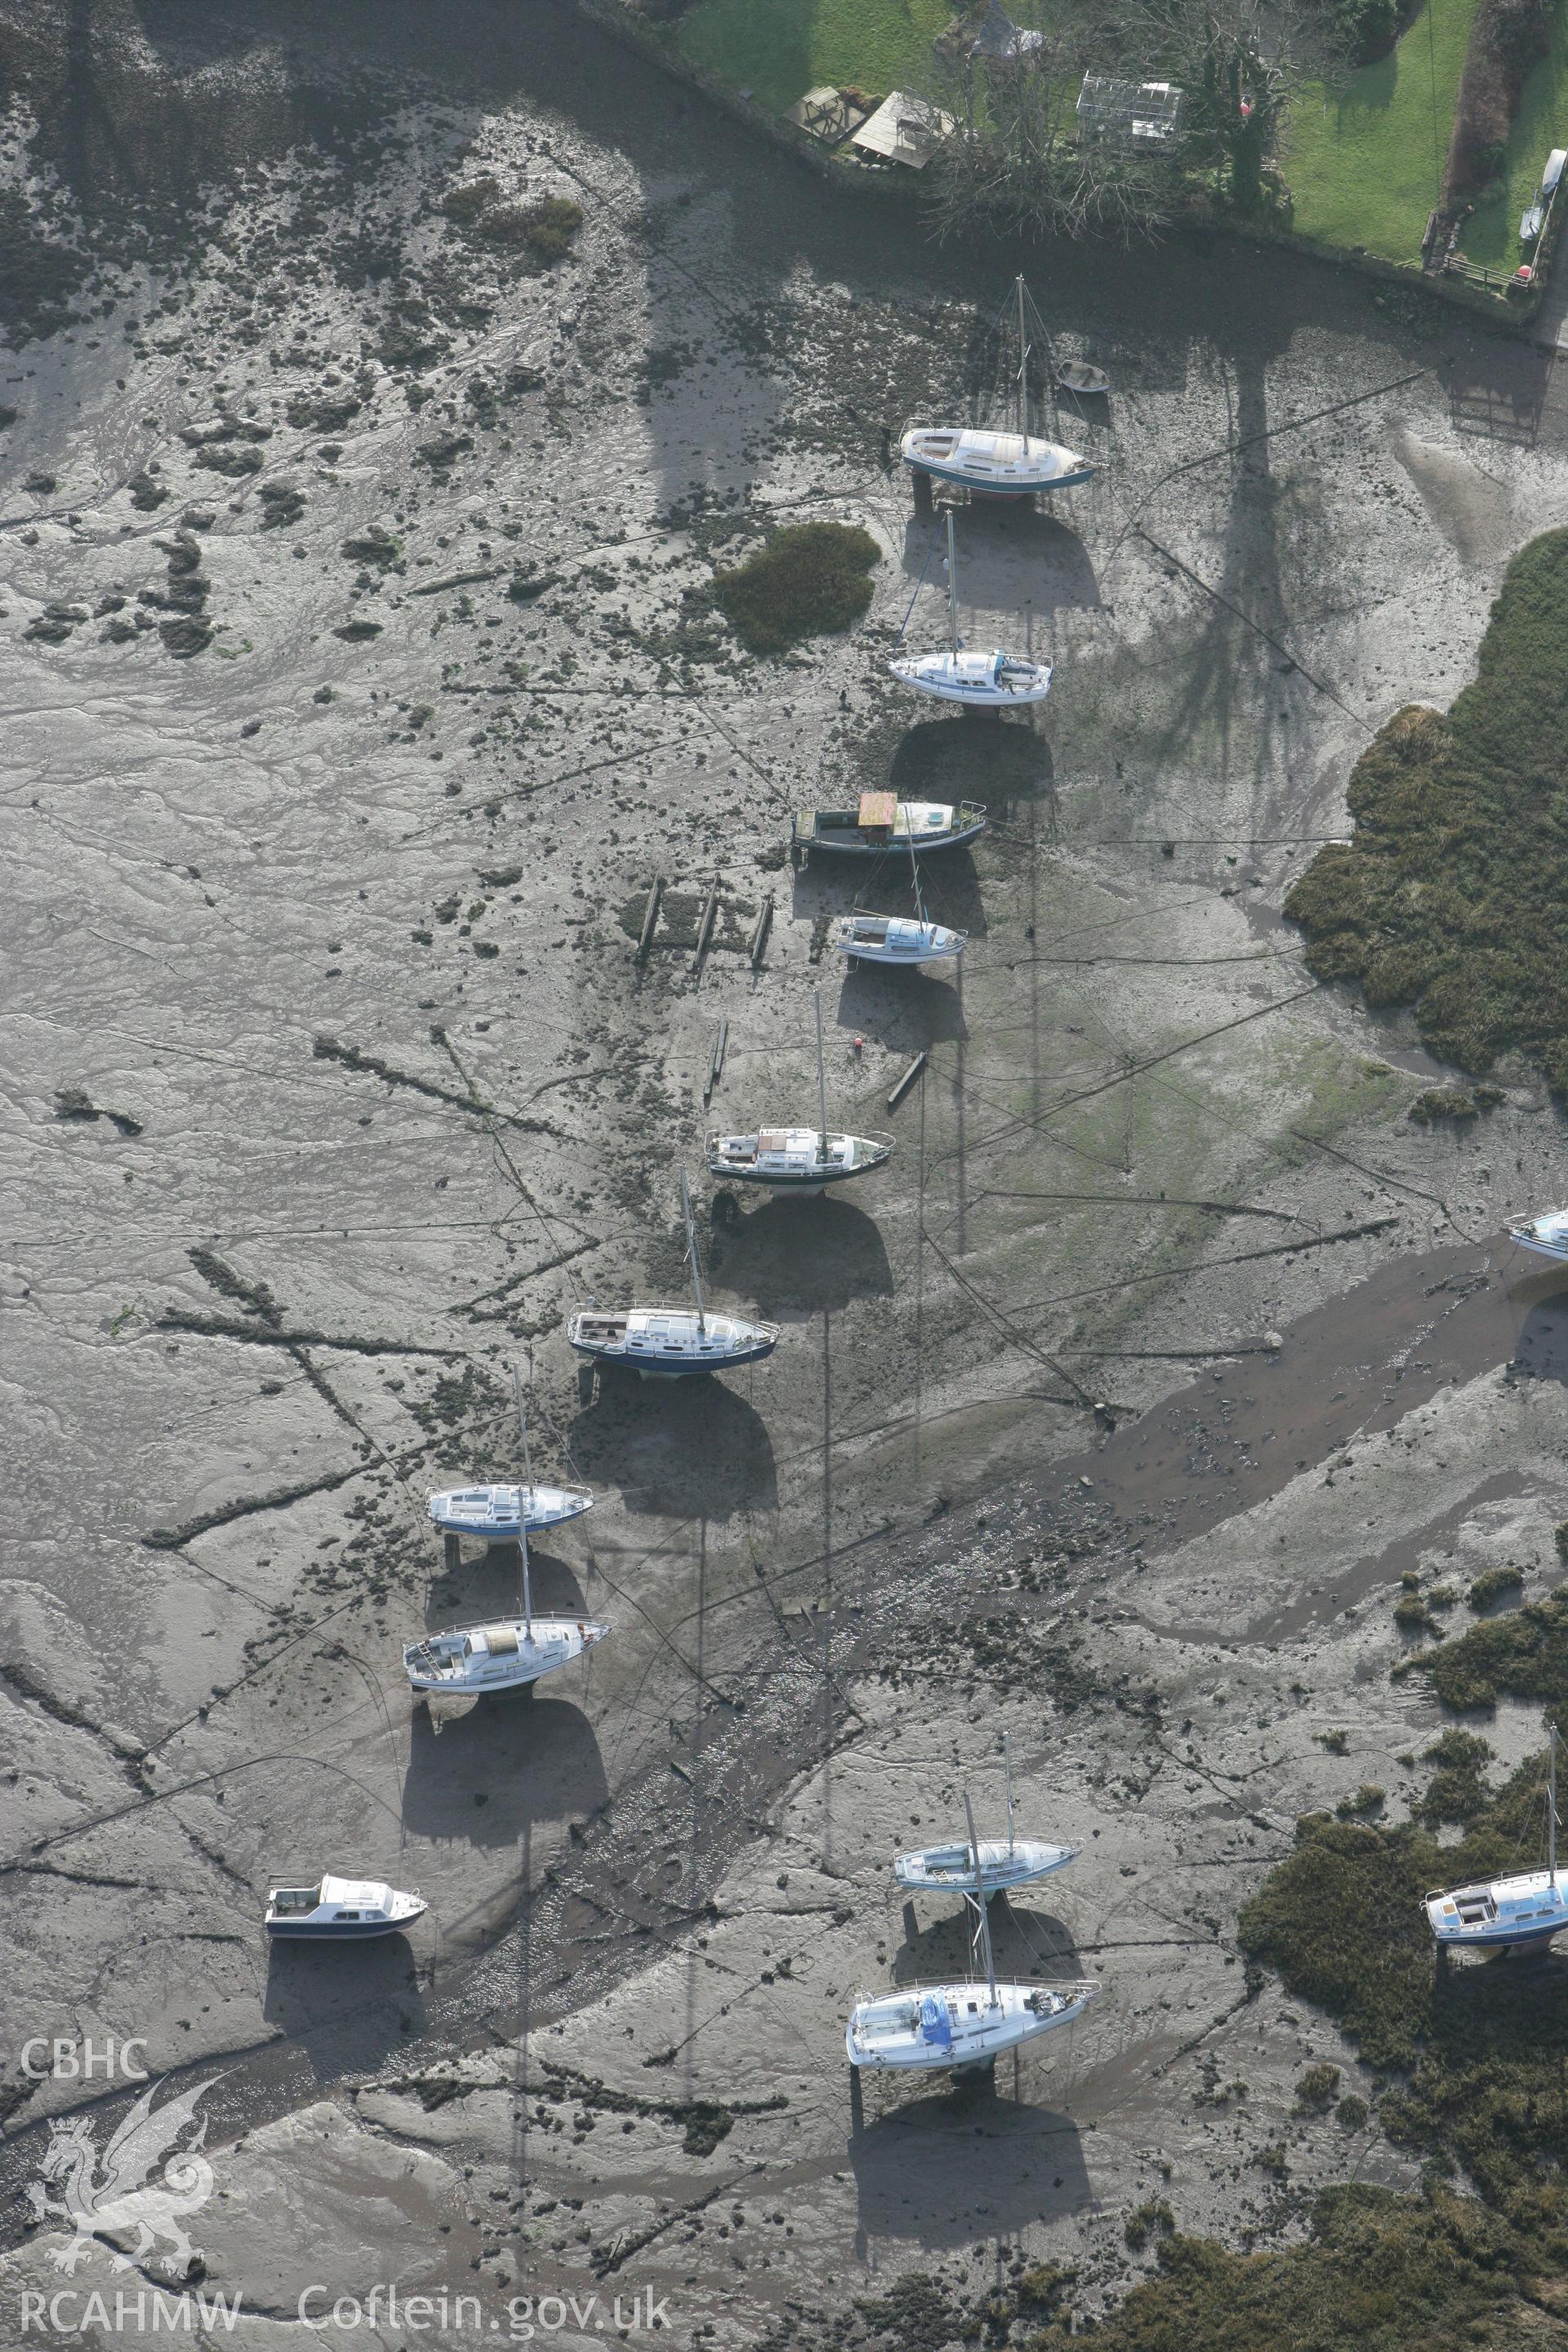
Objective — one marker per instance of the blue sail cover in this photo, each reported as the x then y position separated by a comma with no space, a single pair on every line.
934,2024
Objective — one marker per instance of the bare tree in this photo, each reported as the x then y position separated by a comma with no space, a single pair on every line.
1016,159
1018,156
1240,63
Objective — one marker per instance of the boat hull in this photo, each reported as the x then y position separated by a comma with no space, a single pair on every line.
557,1643
332,1931
674,1368
945,1870
975,2036
828,846
1552,1246
973,696
454,1512
1024,486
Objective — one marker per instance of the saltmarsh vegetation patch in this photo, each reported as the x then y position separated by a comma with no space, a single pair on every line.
802,583
1453,897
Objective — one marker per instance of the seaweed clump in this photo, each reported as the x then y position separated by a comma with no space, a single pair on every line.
805,581
1484,2049
1453,896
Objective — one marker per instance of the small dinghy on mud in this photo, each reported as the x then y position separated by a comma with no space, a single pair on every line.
1546,1235
964,2024
1500,1914
980,681
340,1910
988,1864
804,1161
506,1651
1080,376
671,1342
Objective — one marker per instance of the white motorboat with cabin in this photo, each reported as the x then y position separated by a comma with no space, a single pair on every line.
988,1865
980,681
671,1342
499,1512
800,1159
340,1910
881,821
1502,1914
963,2024
992,464
1547,1235
506,1651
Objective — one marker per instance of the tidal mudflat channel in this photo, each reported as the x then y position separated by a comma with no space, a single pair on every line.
361,672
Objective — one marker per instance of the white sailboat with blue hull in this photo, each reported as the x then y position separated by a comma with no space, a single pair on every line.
984,1865
898,939
501,1513
804,1161
671,1342
504,1653
997,464
920,2028
1498,1915
980,681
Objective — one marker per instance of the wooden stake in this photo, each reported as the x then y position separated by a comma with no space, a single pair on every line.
760,931
906,1082
705,927
716,1060
650,918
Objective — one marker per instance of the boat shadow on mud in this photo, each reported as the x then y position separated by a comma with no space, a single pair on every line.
801,1256
974,2159
484,1775
1029,1946
488,1582
1000,762
906,1012
1540,1352
682,1449
346,2009
1012,559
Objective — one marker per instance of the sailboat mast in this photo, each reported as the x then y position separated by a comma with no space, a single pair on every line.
952,585
980,1902
1022,365
821,1088
1007,1755
691,1252
1551,1806
521,1508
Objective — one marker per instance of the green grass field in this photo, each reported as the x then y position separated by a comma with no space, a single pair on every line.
1363,163
1491,235
778,49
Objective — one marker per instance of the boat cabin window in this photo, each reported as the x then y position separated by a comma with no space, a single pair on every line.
348,1914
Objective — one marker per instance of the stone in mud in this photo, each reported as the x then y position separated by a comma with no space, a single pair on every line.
190,635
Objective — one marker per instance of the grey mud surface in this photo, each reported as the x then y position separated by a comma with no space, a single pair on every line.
332,1084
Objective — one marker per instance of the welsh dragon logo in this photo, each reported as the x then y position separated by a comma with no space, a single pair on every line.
120,2199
